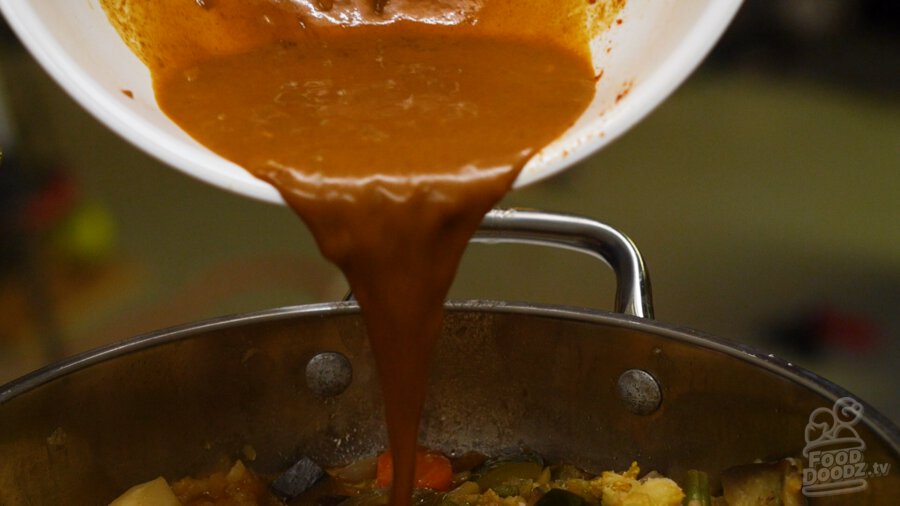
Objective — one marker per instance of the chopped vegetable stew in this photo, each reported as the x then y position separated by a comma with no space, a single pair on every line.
521,478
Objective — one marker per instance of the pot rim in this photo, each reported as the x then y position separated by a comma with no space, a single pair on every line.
883,427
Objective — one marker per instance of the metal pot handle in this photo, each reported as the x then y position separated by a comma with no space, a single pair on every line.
579,234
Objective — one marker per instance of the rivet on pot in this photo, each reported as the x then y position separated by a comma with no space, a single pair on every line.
640,391
328,374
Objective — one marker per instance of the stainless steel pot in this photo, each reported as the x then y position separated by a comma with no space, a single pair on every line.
595,388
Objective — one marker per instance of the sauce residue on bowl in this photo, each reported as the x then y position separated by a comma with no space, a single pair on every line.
390,140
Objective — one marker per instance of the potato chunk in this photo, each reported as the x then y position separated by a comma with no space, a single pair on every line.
152,493
626,490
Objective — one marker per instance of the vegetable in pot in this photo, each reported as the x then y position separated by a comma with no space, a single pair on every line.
299,478
627,490
775,483
560,497
517,479
433,470
152,493
508,471
696,489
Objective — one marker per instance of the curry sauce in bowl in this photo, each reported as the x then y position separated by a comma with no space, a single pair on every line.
640,51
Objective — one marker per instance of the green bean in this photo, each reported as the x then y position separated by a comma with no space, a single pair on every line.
696,489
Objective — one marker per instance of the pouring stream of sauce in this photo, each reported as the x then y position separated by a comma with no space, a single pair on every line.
390,141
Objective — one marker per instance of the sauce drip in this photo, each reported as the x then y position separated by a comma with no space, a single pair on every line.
390,142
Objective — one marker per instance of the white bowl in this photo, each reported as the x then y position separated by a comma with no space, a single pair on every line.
657,45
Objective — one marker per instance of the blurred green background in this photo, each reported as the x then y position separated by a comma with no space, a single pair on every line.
764,195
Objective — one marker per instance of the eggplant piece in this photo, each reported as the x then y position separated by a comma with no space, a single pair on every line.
772,483
299,478
560,497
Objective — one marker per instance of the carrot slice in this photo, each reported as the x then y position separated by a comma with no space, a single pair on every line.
384,470
433,470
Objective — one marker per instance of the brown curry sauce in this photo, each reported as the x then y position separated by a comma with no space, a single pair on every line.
390,141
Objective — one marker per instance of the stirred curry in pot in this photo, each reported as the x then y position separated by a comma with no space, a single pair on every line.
390,129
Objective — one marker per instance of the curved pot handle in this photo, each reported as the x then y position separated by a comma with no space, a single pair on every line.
580,234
